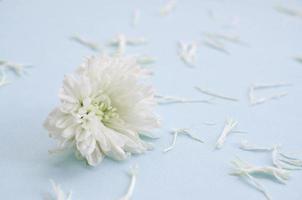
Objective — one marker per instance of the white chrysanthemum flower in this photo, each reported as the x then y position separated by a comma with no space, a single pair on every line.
104,109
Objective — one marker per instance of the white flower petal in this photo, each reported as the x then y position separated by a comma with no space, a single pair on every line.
87,146
69,131
95,157
83,135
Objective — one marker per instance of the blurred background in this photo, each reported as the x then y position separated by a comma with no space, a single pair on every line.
236,44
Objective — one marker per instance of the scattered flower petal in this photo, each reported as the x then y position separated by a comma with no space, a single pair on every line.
183,131
168,7
259,100
187,52
121,41
298,59
279,159
245,145
289,11
3,80
175,134
145,60
230,124
242,168
216,45
17,68
91,45
133,174
58,192
162,100
209,123
136,17
254,183
208,92
228,38
268,86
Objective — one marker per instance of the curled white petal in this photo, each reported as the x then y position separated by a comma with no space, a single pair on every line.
133,174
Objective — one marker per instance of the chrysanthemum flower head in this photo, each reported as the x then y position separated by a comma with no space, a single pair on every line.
104,110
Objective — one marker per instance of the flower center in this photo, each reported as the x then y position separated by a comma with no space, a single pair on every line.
103,109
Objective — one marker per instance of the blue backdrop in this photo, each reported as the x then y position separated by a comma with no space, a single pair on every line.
37,32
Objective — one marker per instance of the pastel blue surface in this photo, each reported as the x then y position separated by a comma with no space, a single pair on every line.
37,32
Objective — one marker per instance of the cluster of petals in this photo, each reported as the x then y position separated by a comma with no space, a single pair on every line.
104,110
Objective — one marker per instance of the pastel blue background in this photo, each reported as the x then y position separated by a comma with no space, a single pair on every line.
37,32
